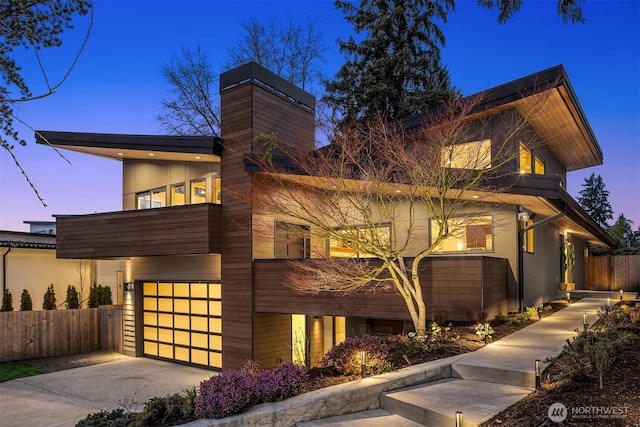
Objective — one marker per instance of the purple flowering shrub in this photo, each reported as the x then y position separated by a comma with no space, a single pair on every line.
345,358
225,394
283,382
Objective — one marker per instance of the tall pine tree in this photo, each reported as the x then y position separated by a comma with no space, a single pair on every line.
396,68
594,198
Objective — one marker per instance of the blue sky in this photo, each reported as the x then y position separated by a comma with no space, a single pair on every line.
116,86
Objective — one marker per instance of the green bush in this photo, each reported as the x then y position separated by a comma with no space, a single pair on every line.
73,299
160,411
7,301
99,295
25,301
115,418
49,302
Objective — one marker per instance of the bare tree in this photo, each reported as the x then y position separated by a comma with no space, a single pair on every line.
192,108
34,25
375,191
288,49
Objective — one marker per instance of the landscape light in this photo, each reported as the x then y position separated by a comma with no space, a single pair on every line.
584,321
621,294
568,297
537,374
363,363
458,418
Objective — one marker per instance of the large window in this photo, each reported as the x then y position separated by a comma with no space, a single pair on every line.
177,195
468,155
292,241
527,237
198,191
465,234
356,240
525,159
156,198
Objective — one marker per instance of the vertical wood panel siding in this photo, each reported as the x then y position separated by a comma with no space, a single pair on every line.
611,273
455,287
272,339
175,230
46,333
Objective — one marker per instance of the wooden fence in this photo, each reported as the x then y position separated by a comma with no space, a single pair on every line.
611,273
46,333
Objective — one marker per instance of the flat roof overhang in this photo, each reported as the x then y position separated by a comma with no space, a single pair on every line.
119,146
538,194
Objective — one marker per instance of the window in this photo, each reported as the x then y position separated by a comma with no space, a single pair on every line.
465,234
538,166
177,195
292,241
198,191
468,155
525,159
152,199
362,237
216,191
527,237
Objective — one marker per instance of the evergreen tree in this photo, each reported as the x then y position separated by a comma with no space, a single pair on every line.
395,69
7,301
72,298
49,301
25,301
94,297
594,198
622,232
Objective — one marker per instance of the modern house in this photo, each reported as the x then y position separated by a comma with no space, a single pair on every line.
202,286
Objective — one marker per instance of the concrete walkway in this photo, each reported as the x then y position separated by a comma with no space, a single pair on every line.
65,397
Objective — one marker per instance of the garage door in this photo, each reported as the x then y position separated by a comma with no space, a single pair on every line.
183,322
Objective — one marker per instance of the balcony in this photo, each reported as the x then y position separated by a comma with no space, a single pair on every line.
456,287
175,230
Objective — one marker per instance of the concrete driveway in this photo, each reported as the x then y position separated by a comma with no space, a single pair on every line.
65,397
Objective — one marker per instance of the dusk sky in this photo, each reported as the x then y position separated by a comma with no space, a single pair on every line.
116,87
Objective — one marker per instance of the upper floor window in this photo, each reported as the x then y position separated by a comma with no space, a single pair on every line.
216,190
156,198
356,240
465,234
177,195
468,155
538,166
525,159
199,191
292,240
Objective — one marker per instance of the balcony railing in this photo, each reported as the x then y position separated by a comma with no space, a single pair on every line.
175,230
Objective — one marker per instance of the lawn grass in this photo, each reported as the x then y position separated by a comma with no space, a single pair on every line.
13,370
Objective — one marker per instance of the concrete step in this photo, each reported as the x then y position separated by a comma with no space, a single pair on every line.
372,418
435,404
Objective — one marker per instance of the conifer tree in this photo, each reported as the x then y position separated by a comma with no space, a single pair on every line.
594,198
26,304
49,301
7,301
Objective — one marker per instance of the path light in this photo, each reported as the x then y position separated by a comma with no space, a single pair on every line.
458,418
584,321
486,333
608,301
539,311
537,374
621,294
568,297
362,355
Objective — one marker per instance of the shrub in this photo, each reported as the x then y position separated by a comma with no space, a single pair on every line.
283,382
480,316
49,302
7,301
225,394
25,301
72,298
115,418
499,319
99,295
160,411
522,317
613,316
344,356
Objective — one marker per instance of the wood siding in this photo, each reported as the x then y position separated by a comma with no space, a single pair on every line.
176,230
46,333
455,287
247,110
611,273
271,339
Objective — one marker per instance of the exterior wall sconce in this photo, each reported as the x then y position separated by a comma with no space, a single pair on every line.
129,286
523,216
362,355
458,418
537,371
584,321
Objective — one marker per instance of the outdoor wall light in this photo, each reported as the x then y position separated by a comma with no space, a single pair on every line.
584,321
129,286
458,418
537,374
362,355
